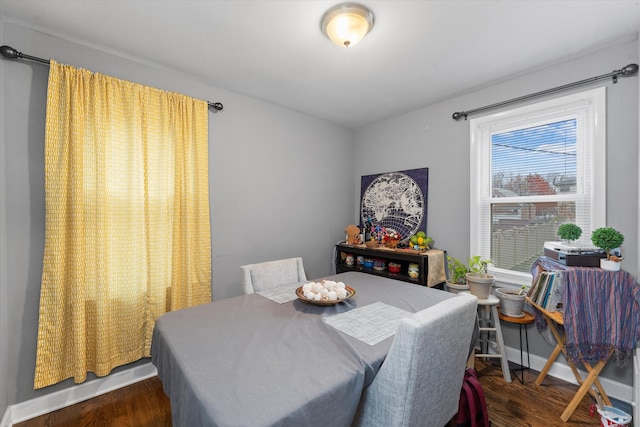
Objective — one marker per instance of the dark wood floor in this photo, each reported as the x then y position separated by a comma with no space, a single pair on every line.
509,405
528,405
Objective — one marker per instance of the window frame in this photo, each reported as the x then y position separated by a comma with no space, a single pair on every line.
593,104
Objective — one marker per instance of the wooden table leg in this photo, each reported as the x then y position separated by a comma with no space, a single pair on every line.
593,375
554,355
547,366
471,361
603,394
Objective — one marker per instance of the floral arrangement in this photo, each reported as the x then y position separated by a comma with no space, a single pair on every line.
378,233
384,235
390,235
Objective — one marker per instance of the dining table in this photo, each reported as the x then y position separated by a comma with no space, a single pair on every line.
274,359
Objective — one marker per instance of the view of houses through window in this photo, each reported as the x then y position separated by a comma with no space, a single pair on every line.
526,163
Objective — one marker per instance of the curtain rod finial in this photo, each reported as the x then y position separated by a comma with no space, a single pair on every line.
9,52
629,70
457,116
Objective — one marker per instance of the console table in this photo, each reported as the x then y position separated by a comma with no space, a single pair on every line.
431,264
595,301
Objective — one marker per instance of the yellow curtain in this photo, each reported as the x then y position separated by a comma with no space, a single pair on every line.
127,220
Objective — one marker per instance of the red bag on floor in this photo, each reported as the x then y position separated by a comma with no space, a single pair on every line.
472,407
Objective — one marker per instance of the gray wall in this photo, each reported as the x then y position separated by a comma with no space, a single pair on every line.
429,137
280,185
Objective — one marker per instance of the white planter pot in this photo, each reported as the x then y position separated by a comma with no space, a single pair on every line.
456,288
510,302
480,284
607,264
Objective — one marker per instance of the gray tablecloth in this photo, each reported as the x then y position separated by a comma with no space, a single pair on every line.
249,361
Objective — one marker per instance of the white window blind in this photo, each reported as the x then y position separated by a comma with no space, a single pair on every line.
533,169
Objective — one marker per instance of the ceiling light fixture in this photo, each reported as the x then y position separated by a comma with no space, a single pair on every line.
346,24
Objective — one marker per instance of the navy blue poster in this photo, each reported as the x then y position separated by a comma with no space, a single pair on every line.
396,201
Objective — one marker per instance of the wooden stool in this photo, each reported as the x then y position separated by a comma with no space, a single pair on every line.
490,322
524,320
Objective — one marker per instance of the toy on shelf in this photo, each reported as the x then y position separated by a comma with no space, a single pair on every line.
353,234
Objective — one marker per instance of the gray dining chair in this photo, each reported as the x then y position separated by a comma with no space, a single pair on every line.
419,382
272,274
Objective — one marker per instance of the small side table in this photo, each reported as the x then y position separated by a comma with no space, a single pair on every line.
523,321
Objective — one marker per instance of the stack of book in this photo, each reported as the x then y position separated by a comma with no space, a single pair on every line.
546,290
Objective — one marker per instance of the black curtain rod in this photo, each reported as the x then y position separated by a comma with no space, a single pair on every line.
629,70
9,52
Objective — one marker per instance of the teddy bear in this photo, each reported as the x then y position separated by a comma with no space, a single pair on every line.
353,234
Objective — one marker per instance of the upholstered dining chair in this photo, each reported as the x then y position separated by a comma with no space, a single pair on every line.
272,274
419,382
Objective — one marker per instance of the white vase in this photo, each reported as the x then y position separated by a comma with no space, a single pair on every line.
511,302
607,264
457,288
480,284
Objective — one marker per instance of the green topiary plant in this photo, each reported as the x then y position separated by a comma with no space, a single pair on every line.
607,238
569,232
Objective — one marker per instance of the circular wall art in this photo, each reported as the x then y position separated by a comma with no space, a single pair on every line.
395,200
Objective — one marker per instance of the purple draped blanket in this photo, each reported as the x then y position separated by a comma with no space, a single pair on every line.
601,312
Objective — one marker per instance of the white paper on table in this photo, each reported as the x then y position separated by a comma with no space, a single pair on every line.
281,294
370,324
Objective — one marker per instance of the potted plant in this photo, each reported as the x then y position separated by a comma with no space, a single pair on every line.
607,238
569,232
479,280
511,301
457,281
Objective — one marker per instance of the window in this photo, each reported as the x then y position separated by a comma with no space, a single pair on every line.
533,169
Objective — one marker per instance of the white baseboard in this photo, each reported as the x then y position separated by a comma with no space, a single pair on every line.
51,402
6,419
562,371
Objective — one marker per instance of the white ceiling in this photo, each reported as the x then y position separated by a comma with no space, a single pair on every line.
418,53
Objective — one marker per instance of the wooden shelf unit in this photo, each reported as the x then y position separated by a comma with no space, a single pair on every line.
404,258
